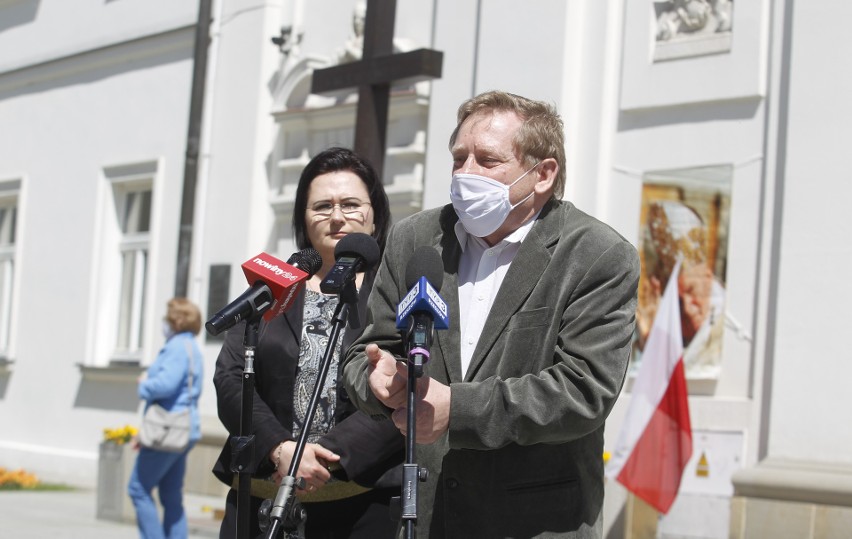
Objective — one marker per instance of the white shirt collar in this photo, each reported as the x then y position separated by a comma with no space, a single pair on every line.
515,237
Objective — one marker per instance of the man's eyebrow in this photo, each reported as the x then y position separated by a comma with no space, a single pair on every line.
478,149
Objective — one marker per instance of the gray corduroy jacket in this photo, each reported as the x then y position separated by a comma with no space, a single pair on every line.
523,456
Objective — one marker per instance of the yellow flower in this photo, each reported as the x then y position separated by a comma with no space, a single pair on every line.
121,435
17,479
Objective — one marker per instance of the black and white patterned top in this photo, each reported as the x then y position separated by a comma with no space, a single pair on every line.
316,331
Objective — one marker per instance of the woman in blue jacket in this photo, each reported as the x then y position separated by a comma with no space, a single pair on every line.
174,382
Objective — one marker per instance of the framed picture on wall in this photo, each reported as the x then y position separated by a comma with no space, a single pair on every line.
685,216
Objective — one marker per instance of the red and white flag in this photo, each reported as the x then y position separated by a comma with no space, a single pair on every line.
655,442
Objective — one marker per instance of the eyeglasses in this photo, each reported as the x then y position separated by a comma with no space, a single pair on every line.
351,209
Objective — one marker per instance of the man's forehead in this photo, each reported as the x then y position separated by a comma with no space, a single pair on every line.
493,129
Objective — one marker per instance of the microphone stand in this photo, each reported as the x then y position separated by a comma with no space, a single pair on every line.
412,473
242,446
284,511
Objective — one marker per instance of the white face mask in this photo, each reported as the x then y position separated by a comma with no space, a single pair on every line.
481,203
168,332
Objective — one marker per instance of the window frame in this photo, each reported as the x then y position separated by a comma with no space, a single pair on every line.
108,347
10,197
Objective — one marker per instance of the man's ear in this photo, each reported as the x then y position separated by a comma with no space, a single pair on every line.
546,172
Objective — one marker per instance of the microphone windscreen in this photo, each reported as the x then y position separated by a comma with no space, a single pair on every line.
308,260
360,245
425,262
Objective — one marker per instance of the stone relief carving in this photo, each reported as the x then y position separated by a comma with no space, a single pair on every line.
354,46
685,18
291,84
686,28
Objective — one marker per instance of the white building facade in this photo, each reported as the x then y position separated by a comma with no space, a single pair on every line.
744,98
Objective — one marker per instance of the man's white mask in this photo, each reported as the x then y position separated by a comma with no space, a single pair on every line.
481,203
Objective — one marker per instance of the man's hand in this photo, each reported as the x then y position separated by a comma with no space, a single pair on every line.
388,378
433,411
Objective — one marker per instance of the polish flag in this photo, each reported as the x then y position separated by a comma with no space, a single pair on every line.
655,442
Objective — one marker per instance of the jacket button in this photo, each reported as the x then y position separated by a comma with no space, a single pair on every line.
452,483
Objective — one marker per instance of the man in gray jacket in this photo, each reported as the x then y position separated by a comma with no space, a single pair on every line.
511,406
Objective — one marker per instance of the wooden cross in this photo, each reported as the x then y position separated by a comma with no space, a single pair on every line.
373,75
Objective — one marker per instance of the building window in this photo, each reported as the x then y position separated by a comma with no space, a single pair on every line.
8,225
135,217
122,280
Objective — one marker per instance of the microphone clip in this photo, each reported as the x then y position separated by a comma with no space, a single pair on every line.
340,280
342,273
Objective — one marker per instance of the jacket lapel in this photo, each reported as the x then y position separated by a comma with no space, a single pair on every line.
523,275
449,341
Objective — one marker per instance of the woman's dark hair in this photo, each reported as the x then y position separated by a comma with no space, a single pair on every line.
333,160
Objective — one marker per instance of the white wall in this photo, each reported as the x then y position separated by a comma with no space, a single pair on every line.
812,361
41,30
91,101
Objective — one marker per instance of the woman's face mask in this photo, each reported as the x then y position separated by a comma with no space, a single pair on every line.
168,332
481,203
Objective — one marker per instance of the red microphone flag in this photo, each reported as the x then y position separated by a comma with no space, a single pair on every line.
283,280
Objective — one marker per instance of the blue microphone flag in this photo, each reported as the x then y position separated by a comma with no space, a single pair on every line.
424,298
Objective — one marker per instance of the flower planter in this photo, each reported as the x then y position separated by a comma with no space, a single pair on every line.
115,464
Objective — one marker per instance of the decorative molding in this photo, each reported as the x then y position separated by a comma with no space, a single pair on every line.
292,85
5,364
160,47
698,46
796,481
306,130
10,187
115,372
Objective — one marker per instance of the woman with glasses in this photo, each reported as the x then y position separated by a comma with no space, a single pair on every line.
351,466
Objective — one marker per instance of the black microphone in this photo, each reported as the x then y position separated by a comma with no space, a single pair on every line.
353,253
422,310
274,285
308,260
